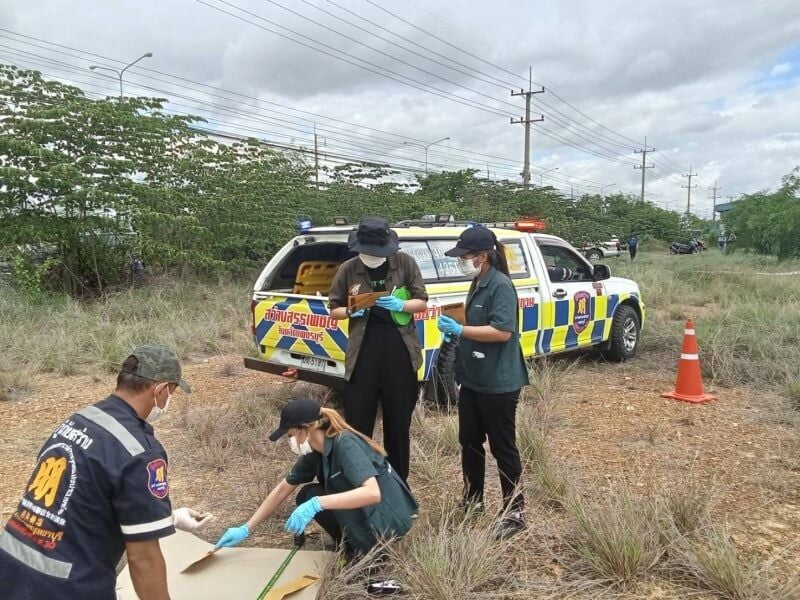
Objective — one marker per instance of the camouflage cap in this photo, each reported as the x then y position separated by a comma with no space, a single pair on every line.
159,363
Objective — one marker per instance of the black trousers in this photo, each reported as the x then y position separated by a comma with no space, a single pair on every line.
494,416
383,375
632,251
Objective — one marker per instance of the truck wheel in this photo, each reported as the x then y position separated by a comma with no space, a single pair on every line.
625,331
594,255
441,389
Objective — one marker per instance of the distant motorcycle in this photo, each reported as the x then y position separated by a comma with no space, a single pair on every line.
693,247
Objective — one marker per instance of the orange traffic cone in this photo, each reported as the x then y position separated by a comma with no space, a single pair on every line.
689,386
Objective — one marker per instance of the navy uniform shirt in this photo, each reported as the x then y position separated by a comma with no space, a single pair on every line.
346,463
100,481
492,367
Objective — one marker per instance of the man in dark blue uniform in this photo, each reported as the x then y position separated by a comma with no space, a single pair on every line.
99,489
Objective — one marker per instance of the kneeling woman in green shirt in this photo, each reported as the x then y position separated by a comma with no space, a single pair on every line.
491,370
357,498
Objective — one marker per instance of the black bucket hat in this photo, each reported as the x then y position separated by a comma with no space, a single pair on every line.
373,237
298,412
474,239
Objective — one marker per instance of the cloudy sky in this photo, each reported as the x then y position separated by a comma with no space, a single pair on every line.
712,84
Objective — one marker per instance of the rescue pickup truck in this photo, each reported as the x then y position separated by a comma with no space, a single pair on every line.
565,302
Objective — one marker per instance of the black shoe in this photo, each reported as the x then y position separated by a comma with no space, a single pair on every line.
510,525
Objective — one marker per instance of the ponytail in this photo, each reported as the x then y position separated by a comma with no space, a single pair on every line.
333,423
497,258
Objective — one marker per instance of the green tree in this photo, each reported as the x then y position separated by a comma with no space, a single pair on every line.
769,223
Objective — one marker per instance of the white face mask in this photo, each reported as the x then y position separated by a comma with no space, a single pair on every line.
372,262
300,449
157,411
468,267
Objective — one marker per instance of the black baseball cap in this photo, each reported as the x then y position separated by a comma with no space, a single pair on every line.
474,239
373,237
298,412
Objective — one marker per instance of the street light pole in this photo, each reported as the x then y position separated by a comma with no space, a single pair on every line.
602,187
120,73
426,146
542,174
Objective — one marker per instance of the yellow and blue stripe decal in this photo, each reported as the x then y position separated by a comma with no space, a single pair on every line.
299,325
601,313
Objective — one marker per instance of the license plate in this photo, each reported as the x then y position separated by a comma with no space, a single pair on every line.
313,363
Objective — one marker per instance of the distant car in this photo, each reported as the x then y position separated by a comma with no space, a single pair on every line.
613,247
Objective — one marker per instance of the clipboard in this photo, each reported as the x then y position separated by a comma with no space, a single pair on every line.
455,311
362,301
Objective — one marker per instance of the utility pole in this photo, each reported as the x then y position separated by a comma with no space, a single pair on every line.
316,158
644,166
714,198
689,187
526,169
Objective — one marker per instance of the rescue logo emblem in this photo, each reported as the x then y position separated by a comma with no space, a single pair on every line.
46,483
582,317
157,478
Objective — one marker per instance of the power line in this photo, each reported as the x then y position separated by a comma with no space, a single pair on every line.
379,7
394,76
555,137
379,51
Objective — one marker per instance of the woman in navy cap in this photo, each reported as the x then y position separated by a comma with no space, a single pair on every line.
491,370
357,497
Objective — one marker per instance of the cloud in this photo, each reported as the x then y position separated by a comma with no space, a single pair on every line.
639,69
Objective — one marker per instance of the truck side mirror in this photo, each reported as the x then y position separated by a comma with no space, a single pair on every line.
601,273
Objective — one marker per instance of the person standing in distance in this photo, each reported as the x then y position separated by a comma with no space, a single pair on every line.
382,357
633,245
491,370
100,489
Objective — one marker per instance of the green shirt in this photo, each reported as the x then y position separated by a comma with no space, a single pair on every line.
492,367
346,463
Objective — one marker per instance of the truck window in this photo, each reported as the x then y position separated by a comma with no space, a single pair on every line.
420,252
561,257
309,268
446,266
515,257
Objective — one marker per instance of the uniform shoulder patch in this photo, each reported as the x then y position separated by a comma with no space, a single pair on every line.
157,478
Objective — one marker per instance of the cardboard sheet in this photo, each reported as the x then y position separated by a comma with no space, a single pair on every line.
195,573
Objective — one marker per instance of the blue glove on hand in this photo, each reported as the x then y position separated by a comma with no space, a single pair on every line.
302,515
449,326
358,313
392,303
233,537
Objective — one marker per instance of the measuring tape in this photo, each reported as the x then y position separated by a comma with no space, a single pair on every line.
299,540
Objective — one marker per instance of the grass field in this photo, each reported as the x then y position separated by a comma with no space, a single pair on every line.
628,495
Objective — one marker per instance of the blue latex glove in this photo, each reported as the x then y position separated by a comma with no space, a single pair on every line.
233,536
358,313
302,515
449,326
392,303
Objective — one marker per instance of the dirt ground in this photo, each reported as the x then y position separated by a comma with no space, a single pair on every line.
610,428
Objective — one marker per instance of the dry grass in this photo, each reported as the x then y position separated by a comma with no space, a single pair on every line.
710,561
618,541
14,385
453,558
69,337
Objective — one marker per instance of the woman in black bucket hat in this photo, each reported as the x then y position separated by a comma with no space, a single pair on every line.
383,349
